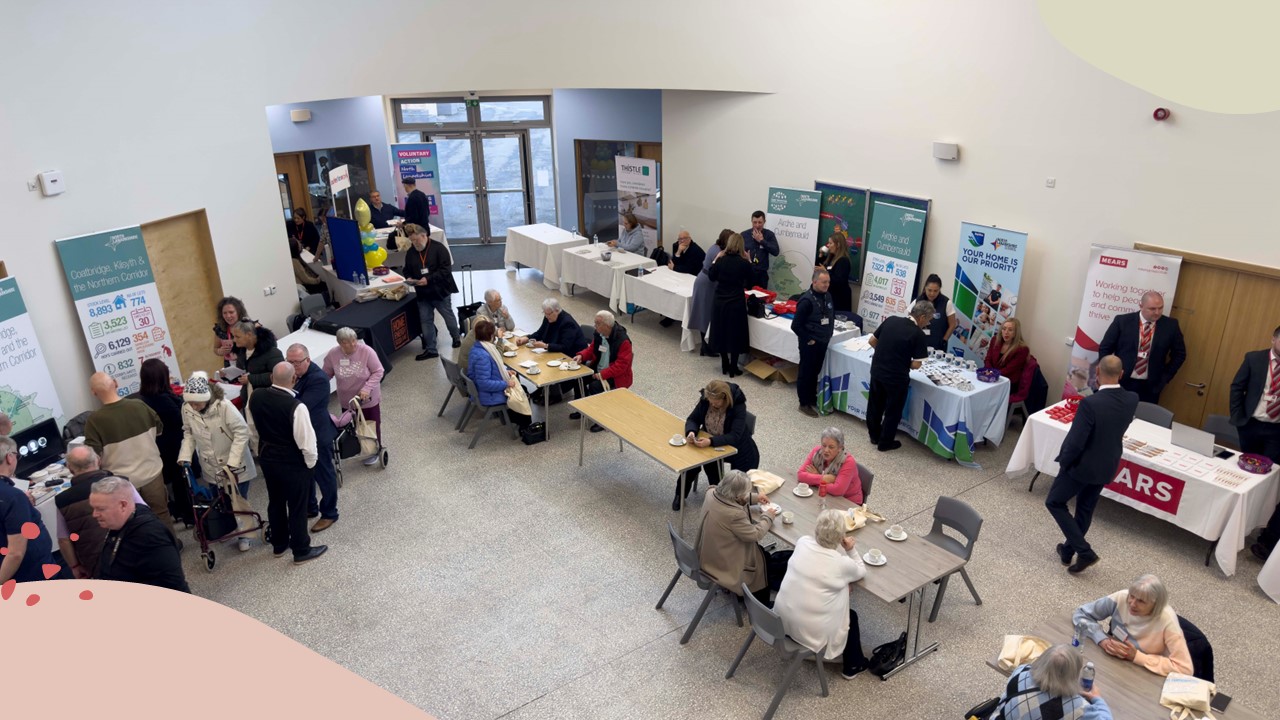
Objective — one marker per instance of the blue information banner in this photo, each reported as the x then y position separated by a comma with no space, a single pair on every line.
988,275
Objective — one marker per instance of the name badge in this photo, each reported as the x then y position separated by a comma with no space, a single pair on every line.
423,271
344,362
1143,355
825,321
937,316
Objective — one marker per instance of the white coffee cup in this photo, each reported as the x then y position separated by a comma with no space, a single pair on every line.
677,439
788,517
896,530
875,554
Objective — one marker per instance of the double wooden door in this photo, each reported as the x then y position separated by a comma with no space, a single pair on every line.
1225,308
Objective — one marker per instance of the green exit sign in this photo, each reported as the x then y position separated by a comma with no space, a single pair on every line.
473,103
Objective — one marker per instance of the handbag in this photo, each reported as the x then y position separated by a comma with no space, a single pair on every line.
216,517
888,656
755,306
1187,697
984,710
533,433
366,431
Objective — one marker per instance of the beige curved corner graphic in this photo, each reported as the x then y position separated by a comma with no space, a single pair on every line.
1219,56
136,651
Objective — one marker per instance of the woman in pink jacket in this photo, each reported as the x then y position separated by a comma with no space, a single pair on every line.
831,465
359,374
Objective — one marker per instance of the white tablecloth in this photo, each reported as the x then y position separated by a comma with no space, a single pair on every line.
583,267
539,247
345,291
318,345
774,336
1194,492
395,258
667,293
946,419
1269,578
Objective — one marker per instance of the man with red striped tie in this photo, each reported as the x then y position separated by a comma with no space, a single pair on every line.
1150,346
1255,410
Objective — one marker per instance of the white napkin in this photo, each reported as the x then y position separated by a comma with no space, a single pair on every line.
539,350
528,364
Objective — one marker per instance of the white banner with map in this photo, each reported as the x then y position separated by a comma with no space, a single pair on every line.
27,394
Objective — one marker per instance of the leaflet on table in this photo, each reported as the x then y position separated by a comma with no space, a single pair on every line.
985,293
116,297
27,393
859,343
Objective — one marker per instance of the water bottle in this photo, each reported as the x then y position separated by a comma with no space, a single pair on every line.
306,323
1076,639
595,239
1086,677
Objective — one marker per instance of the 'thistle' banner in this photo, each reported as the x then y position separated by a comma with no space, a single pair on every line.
988,273
638,195
1116,281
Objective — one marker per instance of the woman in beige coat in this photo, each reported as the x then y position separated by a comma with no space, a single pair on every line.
728,539
214,428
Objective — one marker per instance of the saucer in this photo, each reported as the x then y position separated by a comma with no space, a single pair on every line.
867,559
509,353
533,371
553,363
897,538
567,366
796,491
682,443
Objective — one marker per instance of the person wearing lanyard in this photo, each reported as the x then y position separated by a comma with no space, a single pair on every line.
429,270
1149,344
303,231
759,245
813,326
139,548
25,553
1255,410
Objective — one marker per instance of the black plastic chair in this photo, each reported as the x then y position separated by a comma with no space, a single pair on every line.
957,515
1224,433
866,477
688,564
1154,414
1199,648
766,625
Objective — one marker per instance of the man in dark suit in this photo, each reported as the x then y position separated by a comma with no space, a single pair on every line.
1255,409
1088,460
417,208
1150,346
312,390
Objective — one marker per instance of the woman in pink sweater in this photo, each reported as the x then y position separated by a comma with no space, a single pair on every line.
1141,627
359,374
831,465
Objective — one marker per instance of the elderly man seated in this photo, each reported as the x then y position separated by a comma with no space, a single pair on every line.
609,354
138,548
728,542
559,332
495,312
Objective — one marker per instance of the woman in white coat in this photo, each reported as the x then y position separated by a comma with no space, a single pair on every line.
813,601
214,429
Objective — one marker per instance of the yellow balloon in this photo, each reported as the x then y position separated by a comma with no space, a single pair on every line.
375,258
363,217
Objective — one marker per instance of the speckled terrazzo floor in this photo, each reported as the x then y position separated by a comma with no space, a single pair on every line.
508,582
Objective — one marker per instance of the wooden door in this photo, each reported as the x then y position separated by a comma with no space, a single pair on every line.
290,165
1201,305
1255,313
186,269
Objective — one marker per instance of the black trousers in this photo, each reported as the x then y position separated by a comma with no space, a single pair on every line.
1263,438
1146,389
691,477
884,410
854,657
288,489
1074,528
811,357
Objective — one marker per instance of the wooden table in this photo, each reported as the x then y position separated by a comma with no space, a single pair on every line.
648,428
1132,691
913,563
548,376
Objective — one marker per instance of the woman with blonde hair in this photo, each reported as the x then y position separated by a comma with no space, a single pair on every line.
1008,353
733,276
721,412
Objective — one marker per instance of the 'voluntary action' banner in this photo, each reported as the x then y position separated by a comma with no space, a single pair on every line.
1116,281
792,215
119,307
638,195
419,161
27,394
988,273
893,257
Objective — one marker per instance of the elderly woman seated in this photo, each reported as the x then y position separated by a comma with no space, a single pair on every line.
491,376
1143,628
1050,687
815,593
728,542
831,465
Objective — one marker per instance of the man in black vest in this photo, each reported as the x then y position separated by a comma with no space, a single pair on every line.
280,427
813,324
1088,460
139,547
1150,346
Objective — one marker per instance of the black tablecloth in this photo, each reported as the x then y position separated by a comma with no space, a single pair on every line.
384,325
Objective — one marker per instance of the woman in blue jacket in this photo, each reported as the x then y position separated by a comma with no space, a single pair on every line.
492,378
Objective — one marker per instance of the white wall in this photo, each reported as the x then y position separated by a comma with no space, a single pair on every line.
598,115
987,75
154,109
337,123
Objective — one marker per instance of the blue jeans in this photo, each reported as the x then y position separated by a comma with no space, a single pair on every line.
427,310
326,478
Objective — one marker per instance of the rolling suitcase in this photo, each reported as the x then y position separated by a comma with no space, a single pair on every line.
467,309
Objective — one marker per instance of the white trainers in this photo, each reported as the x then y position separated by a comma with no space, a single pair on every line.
244,544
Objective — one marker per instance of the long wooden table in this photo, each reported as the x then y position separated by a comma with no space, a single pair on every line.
648,428
912,566
548,375
1132,691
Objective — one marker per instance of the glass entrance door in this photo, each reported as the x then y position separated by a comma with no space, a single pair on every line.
484,184
459,191
503,186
